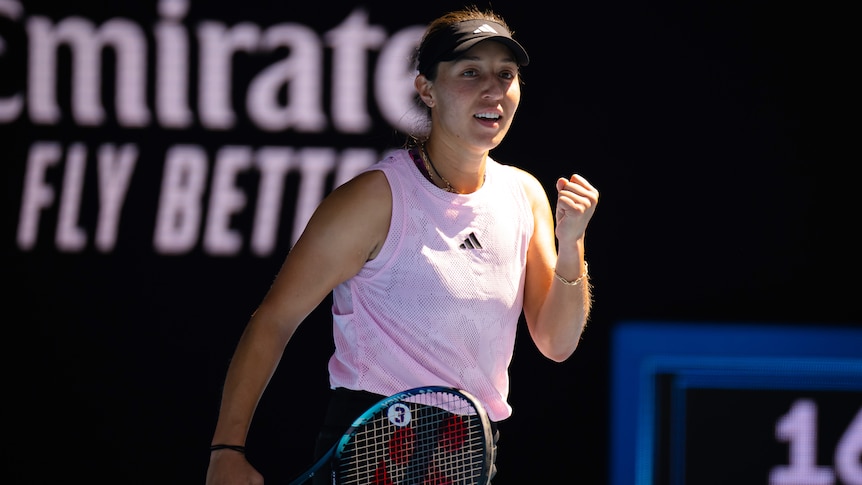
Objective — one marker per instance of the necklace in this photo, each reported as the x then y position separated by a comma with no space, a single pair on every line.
430,166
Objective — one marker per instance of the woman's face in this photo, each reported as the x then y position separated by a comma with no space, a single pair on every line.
474,98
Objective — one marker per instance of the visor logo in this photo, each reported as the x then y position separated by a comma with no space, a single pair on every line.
485,28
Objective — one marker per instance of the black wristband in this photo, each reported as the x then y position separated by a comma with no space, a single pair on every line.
238,448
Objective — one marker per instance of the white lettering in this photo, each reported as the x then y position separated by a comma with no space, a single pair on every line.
849,451
84,73
184,185
179,213
86,44
172,66
301,73
225,201
115,174
287,93
273,163
37,194
218,45
70,237
350,41
315,164
393,87
10,108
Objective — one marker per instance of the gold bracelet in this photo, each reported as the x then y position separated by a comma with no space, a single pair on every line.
575,282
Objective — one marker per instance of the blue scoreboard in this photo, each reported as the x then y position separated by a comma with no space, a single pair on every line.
702,404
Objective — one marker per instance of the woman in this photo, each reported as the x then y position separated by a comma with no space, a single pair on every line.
432,254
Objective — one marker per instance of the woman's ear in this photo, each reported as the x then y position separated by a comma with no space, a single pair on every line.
423,88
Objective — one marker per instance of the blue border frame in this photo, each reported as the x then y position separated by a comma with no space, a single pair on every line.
734,356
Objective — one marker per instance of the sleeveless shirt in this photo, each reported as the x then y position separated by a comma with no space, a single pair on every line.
440,303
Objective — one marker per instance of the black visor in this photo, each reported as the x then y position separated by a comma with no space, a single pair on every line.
449,43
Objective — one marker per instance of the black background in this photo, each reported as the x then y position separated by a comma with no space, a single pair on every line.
713,416
723,139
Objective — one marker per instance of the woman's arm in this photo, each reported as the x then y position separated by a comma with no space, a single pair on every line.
556,312
346,230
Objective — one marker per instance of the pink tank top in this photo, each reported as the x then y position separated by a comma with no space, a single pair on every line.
440,303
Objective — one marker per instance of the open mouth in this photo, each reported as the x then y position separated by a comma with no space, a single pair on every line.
487,116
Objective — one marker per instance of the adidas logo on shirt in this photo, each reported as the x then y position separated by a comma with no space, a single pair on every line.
471,242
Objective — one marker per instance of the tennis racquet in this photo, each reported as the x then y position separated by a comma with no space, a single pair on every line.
427,435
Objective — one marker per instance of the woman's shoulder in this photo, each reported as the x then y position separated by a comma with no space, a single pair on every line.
369,185
522,176
391,159
529,183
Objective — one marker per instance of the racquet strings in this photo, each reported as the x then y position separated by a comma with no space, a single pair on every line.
442,442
